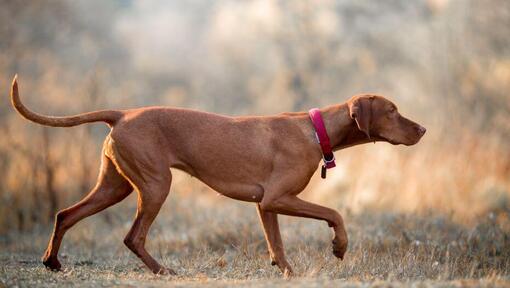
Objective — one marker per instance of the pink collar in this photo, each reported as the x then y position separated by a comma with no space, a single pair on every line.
323,140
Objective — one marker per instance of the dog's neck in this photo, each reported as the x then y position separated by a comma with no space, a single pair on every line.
342,129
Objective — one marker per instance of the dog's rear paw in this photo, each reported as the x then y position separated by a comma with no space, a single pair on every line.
288,273
52,263
165,271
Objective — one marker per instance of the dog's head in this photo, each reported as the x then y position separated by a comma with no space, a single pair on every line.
380,120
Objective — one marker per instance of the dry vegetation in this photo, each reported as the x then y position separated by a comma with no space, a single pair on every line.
436,214
218,242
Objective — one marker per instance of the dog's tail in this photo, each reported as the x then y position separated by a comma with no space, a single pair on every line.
108,116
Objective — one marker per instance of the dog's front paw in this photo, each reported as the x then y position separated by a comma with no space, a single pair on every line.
283,265
339,247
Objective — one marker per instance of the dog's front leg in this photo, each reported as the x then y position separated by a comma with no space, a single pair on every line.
293,206
274,241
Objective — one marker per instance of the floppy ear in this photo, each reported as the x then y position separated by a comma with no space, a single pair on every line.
360,109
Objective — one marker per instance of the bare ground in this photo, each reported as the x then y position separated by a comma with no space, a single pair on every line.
220,243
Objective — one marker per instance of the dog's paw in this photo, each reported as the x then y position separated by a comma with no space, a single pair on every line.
165,271
339,248
273,260
284,266
288,273
52,263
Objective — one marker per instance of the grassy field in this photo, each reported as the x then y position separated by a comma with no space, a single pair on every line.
433,214
219,242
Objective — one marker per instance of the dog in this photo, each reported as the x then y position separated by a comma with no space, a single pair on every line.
267,160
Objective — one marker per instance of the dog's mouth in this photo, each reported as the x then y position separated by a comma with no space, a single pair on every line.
381,138
407,142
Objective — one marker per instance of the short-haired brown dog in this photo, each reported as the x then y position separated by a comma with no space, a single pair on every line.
266,160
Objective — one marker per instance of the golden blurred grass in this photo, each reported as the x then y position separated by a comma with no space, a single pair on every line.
219,242
462,176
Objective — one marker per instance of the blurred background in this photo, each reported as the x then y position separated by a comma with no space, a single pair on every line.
445,63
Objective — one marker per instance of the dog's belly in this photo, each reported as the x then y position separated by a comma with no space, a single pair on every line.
235,190
243,192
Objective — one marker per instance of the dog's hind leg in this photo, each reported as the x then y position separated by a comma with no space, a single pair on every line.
151,196
274,241
151,179
110,189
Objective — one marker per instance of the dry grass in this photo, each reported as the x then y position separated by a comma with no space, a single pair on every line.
434,214
219,242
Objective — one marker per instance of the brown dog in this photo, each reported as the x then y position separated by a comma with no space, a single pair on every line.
265,160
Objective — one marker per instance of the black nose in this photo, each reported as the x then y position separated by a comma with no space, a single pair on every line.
421,130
